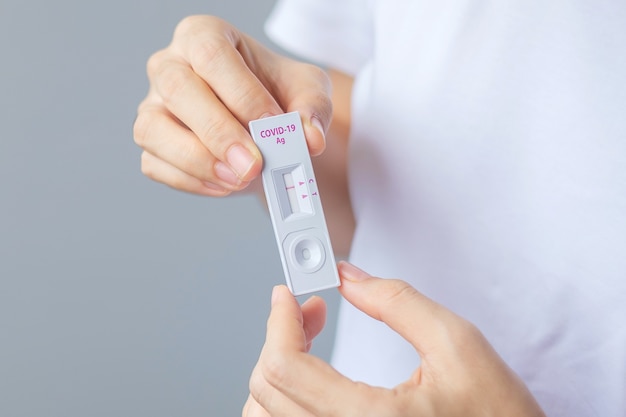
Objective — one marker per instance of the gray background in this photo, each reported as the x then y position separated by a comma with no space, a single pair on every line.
118,296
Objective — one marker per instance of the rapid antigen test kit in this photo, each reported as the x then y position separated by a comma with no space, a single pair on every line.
294,204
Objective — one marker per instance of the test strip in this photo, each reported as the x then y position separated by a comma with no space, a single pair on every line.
294,204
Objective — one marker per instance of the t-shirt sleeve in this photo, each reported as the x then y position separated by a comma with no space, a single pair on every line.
333,33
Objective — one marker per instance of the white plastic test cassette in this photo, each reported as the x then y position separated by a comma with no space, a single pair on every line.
294,204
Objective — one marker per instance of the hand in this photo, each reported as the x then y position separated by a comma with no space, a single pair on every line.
460,373
204,88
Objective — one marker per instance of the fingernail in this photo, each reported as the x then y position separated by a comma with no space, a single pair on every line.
240,160
275,294
315,122
226,174
351,272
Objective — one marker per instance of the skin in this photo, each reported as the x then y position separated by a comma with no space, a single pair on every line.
460,374
205,87
192,126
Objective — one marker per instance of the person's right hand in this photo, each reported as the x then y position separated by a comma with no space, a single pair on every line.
204,89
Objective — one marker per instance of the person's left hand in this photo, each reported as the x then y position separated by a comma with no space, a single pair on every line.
460,374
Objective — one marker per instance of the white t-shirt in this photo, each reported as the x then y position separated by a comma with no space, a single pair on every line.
488,169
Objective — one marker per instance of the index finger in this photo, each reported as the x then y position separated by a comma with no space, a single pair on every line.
251,80
223,58
427,325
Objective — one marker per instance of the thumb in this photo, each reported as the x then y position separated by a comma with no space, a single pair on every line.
308,92
285,325
422,322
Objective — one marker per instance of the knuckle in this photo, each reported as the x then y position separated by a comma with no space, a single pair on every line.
398,291
142,127
191,25
260,389
395,292
319,74
466,332
211,41
147,168
187,25
275,368
171,78
191,161
177,182
209,53
256,383
245,100
213,134
187,154
208,39
317,89
154,62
